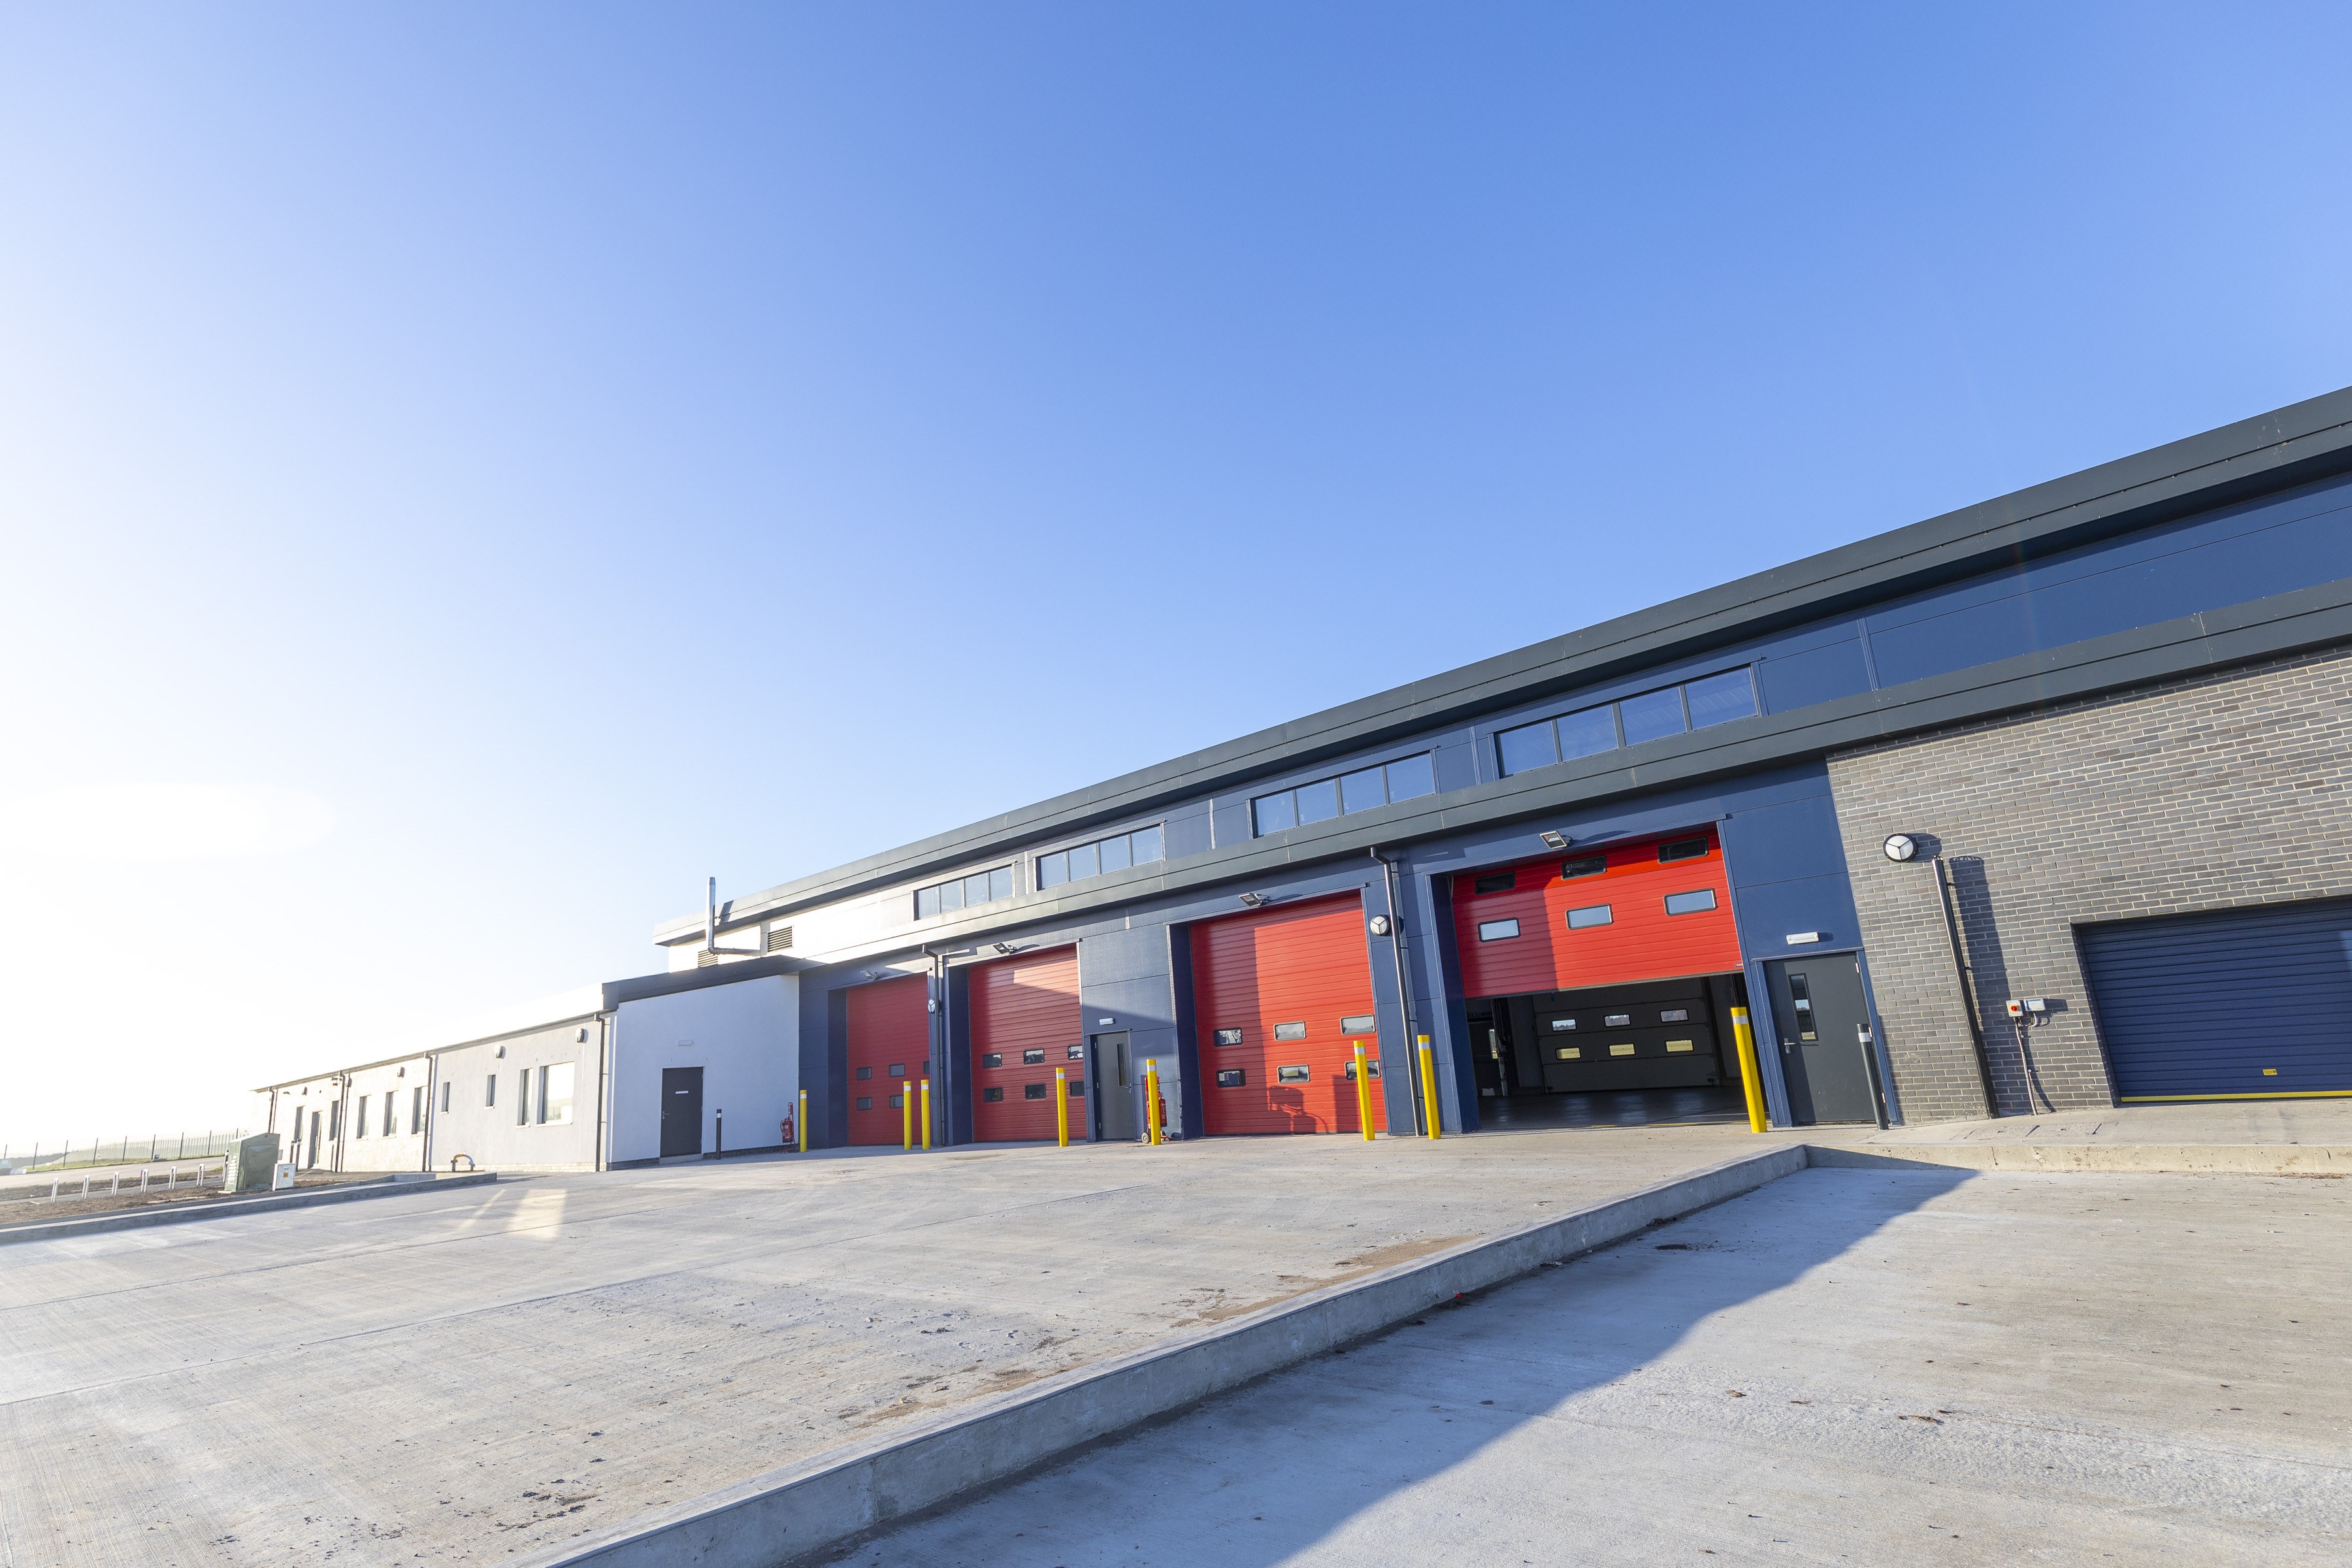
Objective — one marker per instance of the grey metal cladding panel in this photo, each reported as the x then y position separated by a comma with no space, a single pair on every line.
1142,1004
1771,911
1123,954
1783,842
1820,674
2285,446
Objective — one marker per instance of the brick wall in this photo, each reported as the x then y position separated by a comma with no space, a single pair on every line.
2204,792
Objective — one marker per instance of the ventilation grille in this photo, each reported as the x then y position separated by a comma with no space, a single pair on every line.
705,959
778,938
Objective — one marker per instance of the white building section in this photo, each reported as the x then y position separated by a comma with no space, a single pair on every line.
738,1044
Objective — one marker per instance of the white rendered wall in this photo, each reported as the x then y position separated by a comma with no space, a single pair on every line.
491,1134
745,1037
366,1148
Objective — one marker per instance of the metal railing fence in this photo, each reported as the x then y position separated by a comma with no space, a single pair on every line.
156,1148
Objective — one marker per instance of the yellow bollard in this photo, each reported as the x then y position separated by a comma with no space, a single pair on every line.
1429,1089
1363,1091
1743,1033
801,1127
1152,1097
927,1116
1062,1105
906,1117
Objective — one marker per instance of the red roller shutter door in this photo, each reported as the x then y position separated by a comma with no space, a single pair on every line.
1298,968
889,1035
1022,1008
1639,940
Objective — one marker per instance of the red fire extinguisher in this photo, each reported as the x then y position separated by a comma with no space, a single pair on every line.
788,1140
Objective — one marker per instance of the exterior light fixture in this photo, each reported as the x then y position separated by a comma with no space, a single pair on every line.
1379,925
1556,840
1007,949
1900,847
1253,899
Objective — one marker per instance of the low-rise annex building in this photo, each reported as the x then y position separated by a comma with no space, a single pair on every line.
2035,805
625,1073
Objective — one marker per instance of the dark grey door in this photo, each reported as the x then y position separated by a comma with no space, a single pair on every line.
681,1111
1114,1089
314,1159
1819,1013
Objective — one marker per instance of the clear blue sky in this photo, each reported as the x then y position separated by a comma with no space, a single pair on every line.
585,447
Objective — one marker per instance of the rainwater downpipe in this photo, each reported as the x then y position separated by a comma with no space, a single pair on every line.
1947,898
1404,990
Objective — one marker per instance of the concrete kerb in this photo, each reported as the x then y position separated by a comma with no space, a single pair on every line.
2151,1159
833,1500
175,1213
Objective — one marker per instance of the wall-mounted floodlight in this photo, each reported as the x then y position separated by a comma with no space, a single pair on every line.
1254,900
1900,846
1006,949
1555,841
876,973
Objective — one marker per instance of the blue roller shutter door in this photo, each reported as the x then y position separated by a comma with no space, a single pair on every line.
2234,1004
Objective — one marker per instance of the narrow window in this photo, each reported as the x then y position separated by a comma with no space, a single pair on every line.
927,903
446,1087
1674,1046
1318,802
1085,861
993,1093
1496,882
1675,1015
359,1129
1583,866
1412,777
1290,1031
1690,903
1568,1053
391,1115
556,1093
1117,853
1528,746
1052,871
1146,846
1363,790
991,1059
1078,1053
1651,715
1350,1071
1683,849
950,897
1621,1050
897,1070
1497,931
975,889
1036,1090
1077,1089
1000,883
1033,1055
866,1102
1563,1025
1361,1024
417,1109
1618,1021
1593,729
1273,813
865,1073
335,1111
1720,697
1590,915
522,1098
1229,1037
1296,1074
1232,1077
897,1102
491,1089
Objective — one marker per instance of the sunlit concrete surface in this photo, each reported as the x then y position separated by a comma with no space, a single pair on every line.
1908,1367
2222,1121
462,1375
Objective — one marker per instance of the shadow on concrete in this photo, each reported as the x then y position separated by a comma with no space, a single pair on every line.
1620,1108
1261,1475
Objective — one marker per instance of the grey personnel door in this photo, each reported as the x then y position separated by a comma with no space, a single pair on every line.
681,1111
1819,1013
1113,1091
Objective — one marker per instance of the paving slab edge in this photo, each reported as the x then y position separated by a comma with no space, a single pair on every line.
224,1208
2152,1159
833,1499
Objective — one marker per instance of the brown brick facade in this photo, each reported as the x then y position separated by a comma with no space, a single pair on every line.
2224,789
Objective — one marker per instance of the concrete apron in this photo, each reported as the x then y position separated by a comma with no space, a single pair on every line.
835,1499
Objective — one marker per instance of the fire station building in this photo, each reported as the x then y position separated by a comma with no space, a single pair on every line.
2036,806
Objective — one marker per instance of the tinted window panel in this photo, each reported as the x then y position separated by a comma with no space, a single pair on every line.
1033,1054
1594,730
1496,882
1682,850
1229,1037
1232,1077
1361,1025
1590,915
1363,790
1077,1089
992,1059
1115,854
1292,1075
1653,714
1528,746
1052,871
1274,812
1084,862
1147,845
1497,931
1036,1090
927,903
992,1095
1412,776
1000,883
1718,698
975,889
1318,802
1290,1031
1690,903
1584,866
